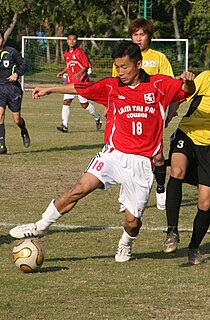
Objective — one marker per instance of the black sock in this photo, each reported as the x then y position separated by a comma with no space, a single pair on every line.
173,202
160,176
22,126
200,228
2,134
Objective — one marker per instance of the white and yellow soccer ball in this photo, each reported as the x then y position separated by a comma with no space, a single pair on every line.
28,255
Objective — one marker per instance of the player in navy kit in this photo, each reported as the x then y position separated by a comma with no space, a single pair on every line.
12,65
135,107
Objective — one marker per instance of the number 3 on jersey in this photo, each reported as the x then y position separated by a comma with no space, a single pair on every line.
136,128
98,165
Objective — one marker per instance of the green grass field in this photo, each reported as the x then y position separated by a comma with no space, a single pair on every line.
79,279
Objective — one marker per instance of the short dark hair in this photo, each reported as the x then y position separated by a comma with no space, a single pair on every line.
141,23
72,33
127,48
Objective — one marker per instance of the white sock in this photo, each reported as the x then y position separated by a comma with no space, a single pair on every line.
92,111
65,115
126,239
50,216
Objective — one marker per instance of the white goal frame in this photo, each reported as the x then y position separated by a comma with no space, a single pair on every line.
24,38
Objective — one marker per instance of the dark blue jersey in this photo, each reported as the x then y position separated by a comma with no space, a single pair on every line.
11,62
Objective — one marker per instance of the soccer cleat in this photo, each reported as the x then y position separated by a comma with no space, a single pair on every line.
171,242
161,200
194,257
26,138
98,123
123,253
27,231
63,128
122,208
3,149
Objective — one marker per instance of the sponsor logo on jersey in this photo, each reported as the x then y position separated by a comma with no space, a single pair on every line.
6,63
149,97
149,63
121,97
152,63
145,63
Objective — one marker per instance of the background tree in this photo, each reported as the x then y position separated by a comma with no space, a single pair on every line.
100,18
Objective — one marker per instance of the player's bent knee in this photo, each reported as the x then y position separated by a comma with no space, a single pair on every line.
177,172
204,206
132,227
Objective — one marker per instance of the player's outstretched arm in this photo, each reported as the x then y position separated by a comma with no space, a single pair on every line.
41,91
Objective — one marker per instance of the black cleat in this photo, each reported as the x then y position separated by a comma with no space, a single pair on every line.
26,138
194,257
62,128
3,149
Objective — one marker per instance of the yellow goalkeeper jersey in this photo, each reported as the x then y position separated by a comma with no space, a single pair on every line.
196,123
153,62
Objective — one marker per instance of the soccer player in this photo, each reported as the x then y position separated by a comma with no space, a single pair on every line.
12,65
190,162
77,65
135,105
153,62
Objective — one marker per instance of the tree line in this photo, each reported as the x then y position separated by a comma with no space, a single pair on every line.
102,18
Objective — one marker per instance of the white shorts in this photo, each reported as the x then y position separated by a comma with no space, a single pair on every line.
133,172
72,96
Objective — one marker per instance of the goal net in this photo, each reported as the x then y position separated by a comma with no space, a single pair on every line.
44,56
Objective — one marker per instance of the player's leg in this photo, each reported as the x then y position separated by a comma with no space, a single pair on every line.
65,113
134,196
181,154
3,148
202,218
200,225
91,109
14,103
59,207
21,124
179,165
131,230
160,177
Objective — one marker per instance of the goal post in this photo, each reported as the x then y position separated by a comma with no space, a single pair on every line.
44,56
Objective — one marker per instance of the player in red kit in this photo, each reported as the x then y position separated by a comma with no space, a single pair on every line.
135,107
77,65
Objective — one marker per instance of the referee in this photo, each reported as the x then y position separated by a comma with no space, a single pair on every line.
12,65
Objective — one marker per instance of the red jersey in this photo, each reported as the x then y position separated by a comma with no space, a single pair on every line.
135,115
75,61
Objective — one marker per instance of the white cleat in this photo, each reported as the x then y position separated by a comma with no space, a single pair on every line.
161,200
123,253
27,231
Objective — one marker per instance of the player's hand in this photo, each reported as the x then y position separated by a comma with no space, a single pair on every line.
38,92
13,77
186,76
59,75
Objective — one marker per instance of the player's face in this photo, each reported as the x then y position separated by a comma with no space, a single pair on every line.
72,41
128,70
142,39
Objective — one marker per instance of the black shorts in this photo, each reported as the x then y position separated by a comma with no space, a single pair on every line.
198,171
11,95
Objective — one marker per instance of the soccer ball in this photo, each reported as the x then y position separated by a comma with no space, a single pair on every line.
28,255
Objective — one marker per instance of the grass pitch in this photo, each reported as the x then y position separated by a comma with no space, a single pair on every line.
79,278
